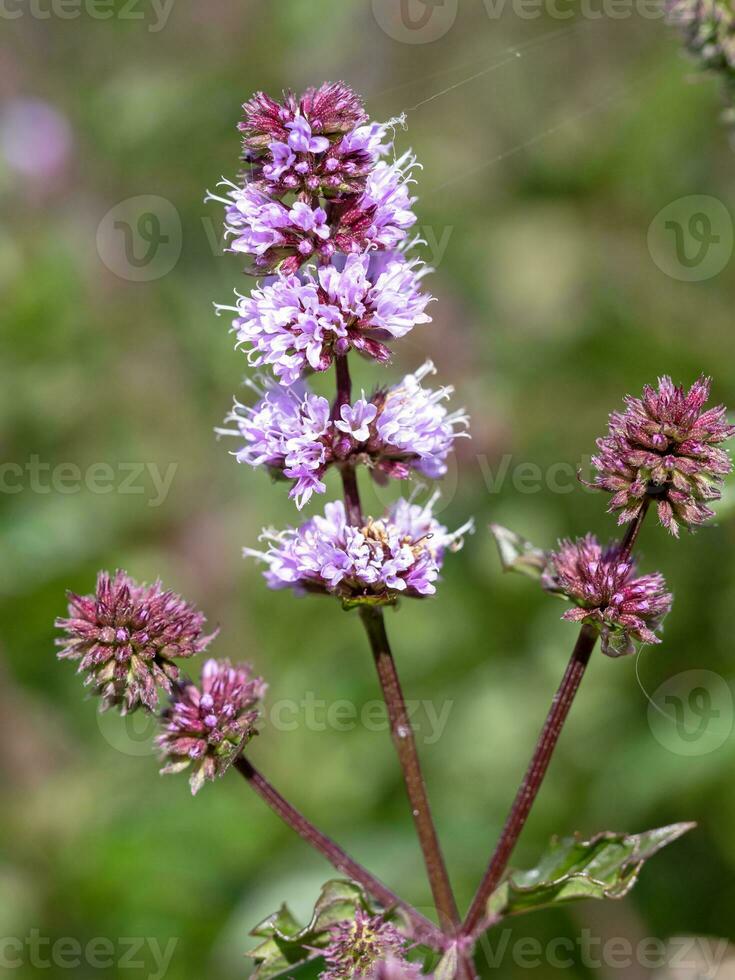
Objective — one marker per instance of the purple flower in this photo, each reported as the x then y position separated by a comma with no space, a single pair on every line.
394,968
298,324
400,554
282,236
664,446
413,427
358,946
278,236
126,637
318,145
382,215
291,432
355,420
329,110
302,140
607,593
208,726
287,431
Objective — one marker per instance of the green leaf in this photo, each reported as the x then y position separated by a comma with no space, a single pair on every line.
447,967
607,866
288,946
517,554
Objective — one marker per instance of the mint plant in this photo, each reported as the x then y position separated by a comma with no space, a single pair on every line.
323,212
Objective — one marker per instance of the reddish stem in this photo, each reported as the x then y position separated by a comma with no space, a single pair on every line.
476,920
405,743
401,728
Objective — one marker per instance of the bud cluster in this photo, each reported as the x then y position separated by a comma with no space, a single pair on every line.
607,594
365,948
126,638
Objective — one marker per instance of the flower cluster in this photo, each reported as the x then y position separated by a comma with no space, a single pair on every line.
709,30
296,324
126,637
209,725
293,433
665,447
400,554
325,209
364,948
319,144
607,594
317,182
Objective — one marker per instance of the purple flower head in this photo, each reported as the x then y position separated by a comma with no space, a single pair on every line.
608,594
126,637
665,446
400,554
208,726
319,145
330,110
298,324
293,434
312,165
358,946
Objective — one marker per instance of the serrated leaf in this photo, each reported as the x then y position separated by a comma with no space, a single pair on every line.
287,944
517,554
281,923
606,866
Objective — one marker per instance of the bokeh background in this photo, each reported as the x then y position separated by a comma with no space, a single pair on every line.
550,147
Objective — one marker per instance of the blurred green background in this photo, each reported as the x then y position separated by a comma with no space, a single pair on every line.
549,147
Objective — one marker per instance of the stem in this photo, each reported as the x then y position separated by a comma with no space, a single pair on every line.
423,931
401,729
476,917
534,775
403,738
344,383
353,508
